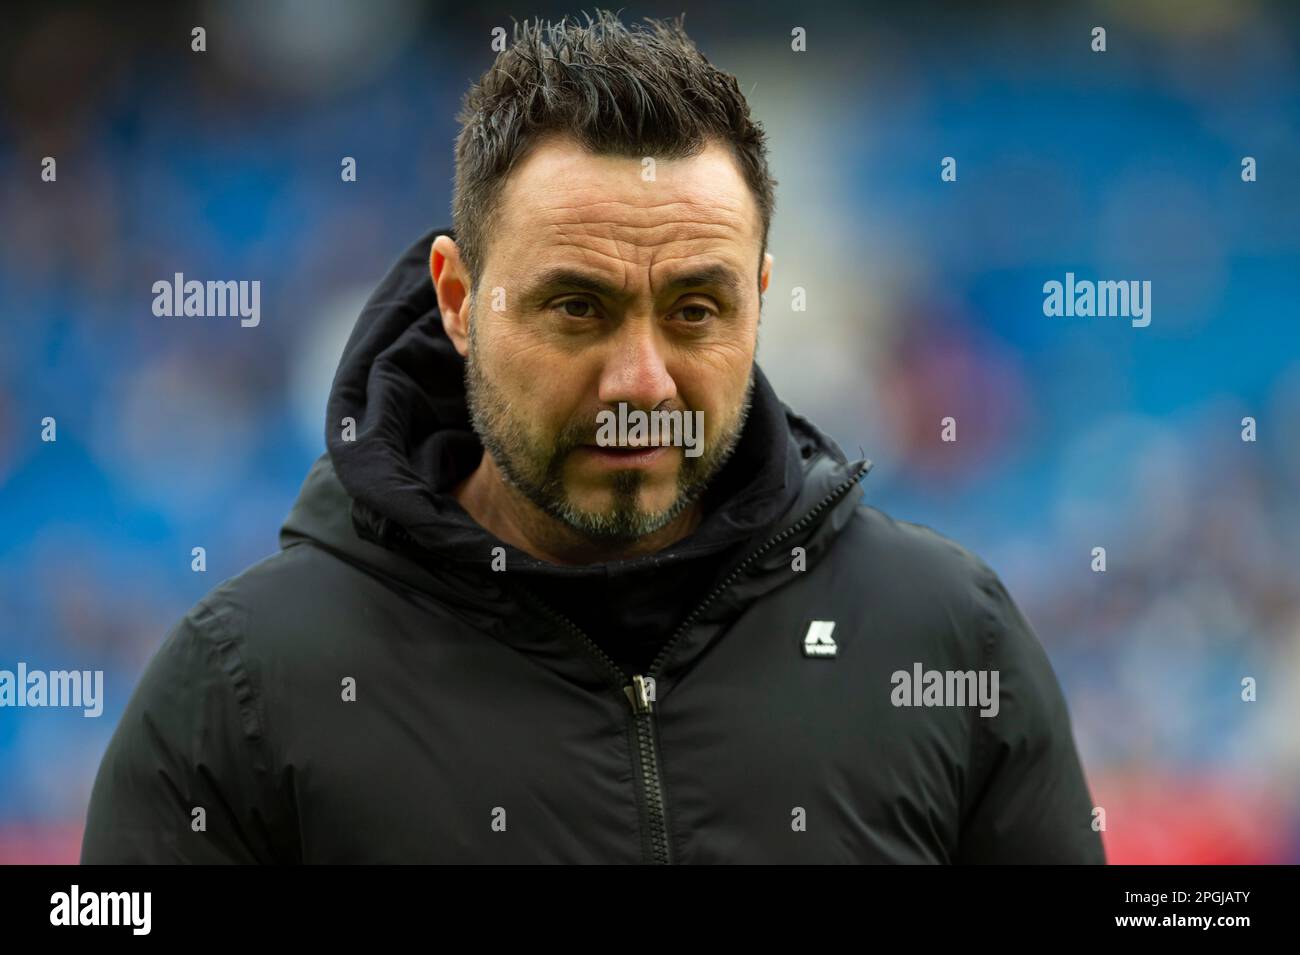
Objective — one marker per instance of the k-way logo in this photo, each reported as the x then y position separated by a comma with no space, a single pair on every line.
817,642
102,908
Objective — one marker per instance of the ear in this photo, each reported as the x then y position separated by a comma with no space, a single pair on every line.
452,285
767,270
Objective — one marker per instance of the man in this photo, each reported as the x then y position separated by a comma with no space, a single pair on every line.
496,634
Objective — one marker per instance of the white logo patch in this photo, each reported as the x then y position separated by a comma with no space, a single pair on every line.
817,642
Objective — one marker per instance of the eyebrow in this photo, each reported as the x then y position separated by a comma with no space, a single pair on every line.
715,276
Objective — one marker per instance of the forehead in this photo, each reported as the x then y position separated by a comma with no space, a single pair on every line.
565,205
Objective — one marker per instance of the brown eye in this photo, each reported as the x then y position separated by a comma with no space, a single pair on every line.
701,314
579,303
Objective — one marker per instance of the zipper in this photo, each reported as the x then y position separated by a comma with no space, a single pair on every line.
640,695
640,691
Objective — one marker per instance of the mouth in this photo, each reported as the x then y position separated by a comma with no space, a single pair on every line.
624,456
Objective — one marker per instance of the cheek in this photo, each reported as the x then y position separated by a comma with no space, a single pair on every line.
539,383
716,372
718,399
726,360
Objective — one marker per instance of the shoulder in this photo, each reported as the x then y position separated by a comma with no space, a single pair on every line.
286,608
913,558
921,589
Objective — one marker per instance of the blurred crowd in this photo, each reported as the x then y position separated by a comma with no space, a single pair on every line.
924,300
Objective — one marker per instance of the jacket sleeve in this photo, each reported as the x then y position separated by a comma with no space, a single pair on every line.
1028,800
191,738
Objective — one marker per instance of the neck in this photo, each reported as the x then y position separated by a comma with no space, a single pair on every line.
504,512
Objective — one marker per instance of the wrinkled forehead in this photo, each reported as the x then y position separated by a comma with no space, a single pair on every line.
564,206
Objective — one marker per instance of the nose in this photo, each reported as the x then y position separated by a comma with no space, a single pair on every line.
636,370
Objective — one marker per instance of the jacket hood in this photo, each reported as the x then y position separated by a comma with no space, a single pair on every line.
382,500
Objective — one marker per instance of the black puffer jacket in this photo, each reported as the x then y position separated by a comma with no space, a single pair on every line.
376,692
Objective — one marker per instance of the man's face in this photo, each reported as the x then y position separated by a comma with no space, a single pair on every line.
603,285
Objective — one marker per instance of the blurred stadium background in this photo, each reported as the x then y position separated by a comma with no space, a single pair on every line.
924,299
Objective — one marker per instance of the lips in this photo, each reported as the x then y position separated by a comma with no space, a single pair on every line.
626,454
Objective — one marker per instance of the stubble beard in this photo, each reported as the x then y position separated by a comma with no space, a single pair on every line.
537,472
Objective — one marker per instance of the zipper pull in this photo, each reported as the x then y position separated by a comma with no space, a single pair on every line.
640,694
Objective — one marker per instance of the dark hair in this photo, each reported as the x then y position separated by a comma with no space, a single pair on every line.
630,91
